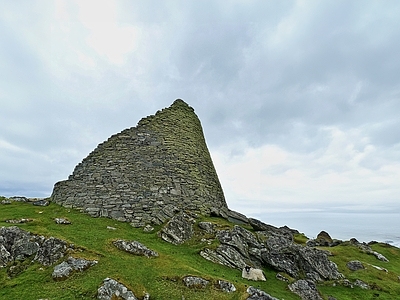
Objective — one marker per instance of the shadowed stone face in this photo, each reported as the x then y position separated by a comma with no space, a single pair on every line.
135,174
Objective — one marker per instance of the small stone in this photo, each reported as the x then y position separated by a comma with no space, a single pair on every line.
111,228
148,228
225,286
355,265
195,282
62,221
135,247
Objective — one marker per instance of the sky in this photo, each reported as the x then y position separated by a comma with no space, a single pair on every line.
299,100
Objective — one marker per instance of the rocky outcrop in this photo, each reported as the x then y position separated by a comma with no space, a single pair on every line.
112,289
306,289
179,229
135,248
270,247
133,175
18,244
65,269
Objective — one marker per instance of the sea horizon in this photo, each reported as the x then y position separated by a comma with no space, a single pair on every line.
363,226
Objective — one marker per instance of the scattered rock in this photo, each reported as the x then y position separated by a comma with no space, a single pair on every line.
178,230
148,228
5,202
361,284
41,202
62,221
111,228
112,289
250,273
65,269
225,286
18,221
367,249
306,289
355,265
256,294
135,248
195,282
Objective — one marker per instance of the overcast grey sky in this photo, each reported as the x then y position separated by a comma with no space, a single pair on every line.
299,100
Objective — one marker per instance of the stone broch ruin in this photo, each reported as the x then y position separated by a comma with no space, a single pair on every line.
146,173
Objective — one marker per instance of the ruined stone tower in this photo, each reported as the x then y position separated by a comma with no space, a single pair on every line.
147,172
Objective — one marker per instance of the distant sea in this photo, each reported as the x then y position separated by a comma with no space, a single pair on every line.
365,227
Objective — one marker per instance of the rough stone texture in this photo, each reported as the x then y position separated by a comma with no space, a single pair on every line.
195,282
207,227
130,177
256,294
66,268
225,286
112,289
355,265
135,248
361,284
306,289
18,244
178,230
273,247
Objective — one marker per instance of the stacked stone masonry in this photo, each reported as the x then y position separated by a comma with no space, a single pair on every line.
162,163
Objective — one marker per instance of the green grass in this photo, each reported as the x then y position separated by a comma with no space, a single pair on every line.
161,277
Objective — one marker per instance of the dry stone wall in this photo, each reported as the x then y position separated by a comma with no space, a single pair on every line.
147,171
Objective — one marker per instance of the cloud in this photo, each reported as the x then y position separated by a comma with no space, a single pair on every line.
332,176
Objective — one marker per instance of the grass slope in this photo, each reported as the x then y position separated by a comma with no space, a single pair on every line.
161,277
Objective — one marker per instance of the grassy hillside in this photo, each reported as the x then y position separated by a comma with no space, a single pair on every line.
161,277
